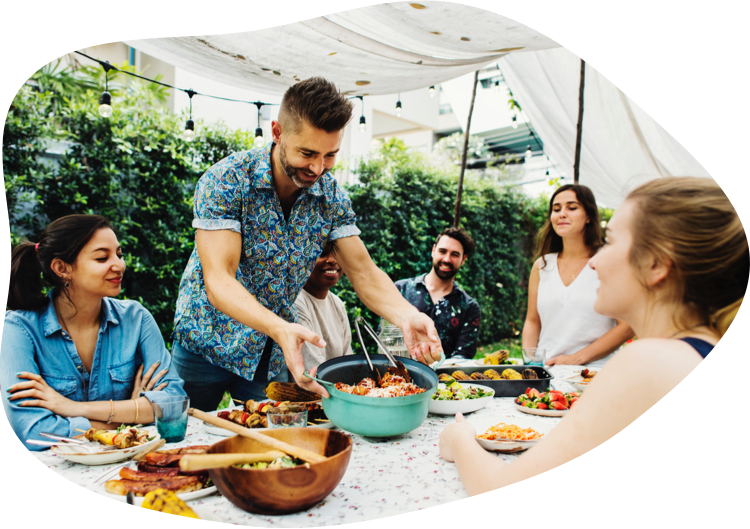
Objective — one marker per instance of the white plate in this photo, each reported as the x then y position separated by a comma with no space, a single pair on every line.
106,457
452,407
482,424
187,496
511,361
223,432
541,413
577,382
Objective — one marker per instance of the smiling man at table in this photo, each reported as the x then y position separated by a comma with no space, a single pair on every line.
262,218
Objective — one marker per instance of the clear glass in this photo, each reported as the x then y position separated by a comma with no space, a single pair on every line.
533,356
287,417
393,338
171,417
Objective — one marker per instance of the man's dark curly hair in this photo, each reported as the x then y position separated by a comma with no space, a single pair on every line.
462,236
316,101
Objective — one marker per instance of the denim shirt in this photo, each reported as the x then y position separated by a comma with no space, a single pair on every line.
34,342
277,255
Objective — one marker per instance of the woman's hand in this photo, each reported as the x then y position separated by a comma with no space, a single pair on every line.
44,396
456,437
567,360
146,382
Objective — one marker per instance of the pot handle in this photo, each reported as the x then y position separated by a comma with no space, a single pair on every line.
439,362
328,385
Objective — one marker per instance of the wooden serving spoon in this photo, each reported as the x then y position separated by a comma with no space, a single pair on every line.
296,451
206,461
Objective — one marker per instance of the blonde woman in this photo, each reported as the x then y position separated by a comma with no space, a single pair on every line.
675,267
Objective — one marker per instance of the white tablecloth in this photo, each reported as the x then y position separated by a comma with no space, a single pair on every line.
385,477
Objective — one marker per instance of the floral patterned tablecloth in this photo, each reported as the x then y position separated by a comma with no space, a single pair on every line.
385,477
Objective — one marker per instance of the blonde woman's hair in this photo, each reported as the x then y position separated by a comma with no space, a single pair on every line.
691,223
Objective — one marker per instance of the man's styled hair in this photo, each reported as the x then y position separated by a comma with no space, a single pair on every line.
316,101
462,236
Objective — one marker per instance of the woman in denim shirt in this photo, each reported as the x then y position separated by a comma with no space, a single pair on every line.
75,359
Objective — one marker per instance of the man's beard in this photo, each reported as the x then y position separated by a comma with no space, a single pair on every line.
291,171
444,274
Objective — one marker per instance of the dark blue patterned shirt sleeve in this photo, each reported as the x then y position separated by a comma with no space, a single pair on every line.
218,197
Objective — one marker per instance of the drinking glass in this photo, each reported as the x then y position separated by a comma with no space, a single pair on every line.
393,338
533,356
287,417
171,413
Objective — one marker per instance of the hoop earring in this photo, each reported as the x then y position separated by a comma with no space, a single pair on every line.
67,284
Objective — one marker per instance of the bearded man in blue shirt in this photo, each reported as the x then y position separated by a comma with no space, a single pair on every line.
262,218
455,313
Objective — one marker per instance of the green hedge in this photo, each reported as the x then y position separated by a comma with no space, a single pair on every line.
402,203
135,169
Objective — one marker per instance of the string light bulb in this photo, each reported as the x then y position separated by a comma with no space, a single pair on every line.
432,91
362,121
528,154
105,101
398,106
514,120
497,86
105,104
259,142
189,133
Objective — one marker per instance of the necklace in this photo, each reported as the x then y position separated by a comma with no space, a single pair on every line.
577,270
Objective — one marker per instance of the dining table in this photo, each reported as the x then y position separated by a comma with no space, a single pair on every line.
385,476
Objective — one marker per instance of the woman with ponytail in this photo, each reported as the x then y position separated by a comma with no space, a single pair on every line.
675,267
75,358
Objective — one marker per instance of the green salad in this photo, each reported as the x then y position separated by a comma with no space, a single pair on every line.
455,391
279,462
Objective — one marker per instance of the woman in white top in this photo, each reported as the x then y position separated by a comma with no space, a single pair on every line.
562,289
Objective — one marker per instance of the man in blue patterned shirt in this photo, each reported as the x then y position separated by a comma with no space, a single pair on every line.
455,313
262,218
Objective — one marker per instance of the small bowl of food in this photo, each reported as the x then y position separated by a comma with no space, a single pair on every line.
509,434
581,381
283,487
454,397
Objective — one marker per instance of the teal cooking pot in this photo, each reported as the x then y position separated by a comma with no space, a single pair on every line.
375,416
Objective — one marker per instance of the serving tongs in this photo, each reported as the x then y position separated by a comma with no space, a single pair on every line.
398,367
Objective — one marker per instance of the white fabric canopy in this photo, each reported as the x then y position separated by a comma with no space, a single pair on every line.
398,47
376,50
622,146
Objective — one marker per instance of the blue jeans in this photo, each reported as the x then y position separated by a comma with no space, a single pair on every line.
206,383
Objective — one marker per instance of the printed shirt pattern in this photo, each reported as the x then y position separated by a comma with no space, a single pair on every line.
456,315
277,257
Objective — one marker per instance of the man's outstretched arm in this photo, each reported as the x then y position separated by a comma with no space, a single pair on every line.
379,294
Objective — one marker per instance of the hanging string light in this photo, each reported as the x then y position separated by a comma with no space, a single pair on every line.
514,119
528,154
259,141
362,121
432,91
398,106
497,86
105,101
189,132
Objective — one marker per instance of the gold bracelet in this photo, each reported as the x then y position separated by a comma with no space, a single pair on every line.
112,413
136,411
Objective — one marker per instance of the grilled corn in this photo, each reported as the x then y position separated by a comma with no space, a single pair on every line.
493,375
167,501
460,375
511,374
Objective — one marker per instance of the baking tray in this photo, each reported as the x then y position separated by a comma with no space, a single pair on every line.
505,388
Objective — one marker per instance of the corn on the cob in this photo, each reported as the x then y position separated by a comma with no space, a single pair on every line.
529,374
460,375
511,374
493,375
167,501
496,358
445,377
479,376
289,391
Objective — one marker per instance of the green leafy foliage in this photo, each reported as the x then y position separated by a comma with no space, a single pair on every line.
402,203
133,168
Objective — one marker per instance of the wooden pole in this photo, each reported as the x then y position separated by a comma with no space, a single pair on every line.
579,127
457,209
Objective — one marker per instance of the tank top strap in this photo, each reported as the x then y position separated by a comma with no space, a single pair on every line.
702,346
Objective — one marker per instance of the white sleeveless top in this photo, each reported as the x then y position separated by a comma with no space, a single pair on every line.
569,322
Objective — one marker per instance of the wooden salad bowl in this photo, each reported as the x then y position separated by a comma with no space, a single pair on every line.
286,490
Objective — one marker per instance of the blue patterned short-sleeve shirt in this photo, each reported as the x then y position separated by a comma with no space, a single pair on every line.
277,257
